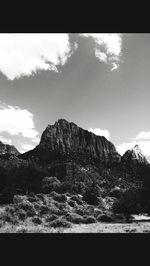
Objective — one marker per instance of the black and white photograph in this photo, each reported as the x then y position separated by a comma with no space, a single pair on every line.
74,132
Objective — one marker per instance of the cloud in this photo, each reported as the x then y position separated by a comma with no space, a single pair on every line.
15,121
108,47
100,132
27,147
24,54
36,140
143,135
5,141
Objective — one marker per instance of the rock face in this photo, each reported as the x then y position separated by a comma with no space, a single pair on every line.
65,137
8,149
134,156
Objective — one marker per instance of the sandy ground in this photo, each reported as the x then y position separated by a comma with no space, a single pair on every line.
142,227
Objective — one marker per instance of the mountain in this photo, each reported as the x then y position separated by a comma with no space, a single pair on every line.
64,138
6,149
134,157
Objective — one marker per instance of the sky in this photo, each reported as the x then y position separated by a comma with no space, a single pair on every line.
101,82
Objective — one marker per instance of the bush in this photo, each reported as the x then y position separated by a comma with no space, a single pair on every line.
72,203
129,203
21,214
77,199
43,210
28,207
79,211
75,218
59,222
60,198
50,184
89,219
105,218
36,220
91,195
51,218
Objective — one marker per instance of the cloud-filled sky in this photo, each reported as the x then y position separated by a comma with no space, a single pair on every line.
98,81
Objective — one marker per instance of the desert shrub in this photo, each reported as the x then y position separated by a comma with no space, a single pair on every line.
21,214
28,207
51,218
40,196
37,206
50,184
36,220
91,194
7,217
17,199
32,199
129,203
79,211
54,210
43,210
75,218
120,218
89,219
59,222
97,212
108,218
77,199
72,203
60,198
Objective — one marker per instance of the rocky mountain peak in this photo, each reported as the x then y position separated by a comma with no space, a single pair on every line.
8,149
66,137
134,155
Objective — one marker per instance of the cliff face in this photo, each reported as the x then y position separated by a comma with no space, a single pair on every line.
8,149
64,137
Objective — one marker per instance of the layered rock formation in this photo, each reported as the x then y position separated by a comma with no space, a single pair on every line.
8,149
65,137
134,156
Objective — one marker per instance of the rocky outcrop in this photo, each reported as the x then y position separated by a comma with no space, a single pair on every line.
66,138
134,156
8,149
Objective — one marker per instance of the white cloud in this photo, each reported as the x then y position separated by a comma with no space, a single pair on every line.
24,54
27,147
100,132
15,121
36,140
143,135
108,47
5,141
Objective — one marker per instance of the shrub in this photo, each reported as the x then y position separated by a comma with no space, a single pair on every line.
72,203
21,214
36,220
91,195
51,218
59,222
28,207
129,203
75,218
54,210
79,211
105,218
50,184
43,210
89,219
77,199
60,198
